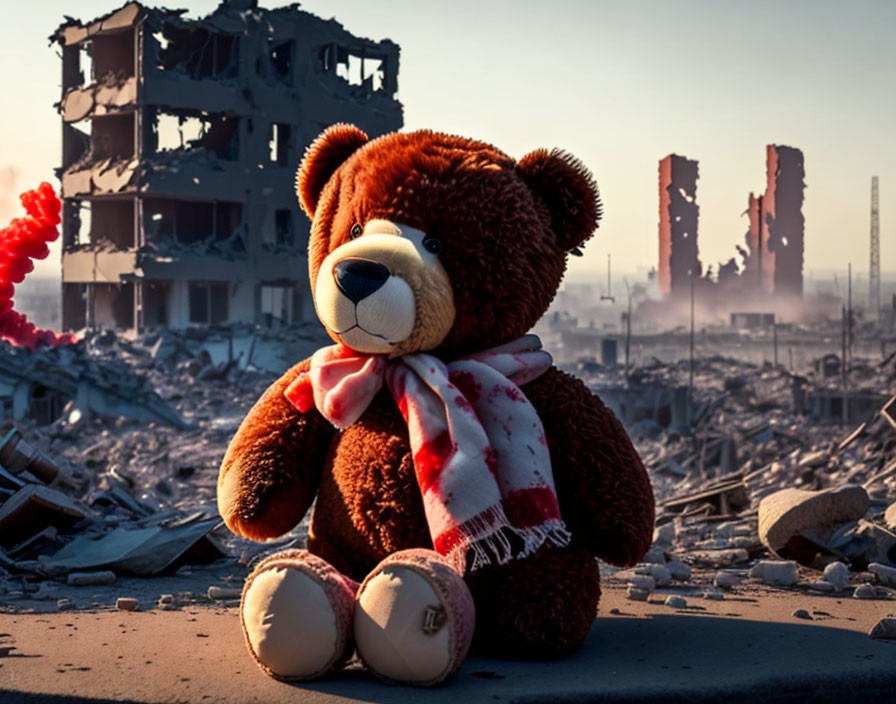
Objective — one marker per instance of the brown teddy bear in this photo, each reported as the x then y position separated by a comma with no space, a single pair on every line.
452,464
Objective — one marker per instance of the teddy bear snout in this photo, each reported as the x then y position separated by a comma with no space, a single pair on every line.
357,278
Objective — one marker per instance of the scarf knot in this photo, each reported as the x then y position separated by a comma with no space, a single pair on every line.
481,457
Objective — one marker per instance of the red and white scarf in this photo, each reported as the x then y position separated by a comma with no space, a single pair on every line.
480,453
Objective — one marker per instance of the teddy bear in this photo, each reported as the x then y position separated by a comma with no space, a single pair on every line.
462,486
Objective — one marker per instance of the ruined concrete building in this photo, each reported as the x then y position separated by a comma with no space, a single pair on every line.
679,213
180,140
771,263
776,260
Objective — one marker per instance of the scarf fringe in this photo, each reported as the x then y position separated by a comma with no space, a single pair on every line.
489,544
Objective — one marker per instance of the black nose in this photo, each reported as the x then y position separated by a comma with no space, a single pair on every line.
358,278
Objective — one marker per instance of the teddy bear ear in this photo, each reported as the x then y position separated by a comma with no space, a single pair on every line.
568,190
326,153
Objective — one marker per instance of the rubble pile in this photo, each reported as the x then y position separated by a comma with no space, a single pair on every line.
96,494
751,493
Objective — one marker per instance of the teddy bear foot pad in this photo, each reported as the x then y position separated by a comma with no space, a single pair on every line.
414,619
296,613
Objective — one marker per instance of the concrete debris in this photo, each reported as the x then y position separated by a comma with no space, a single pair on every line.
662,576
222,593
885,575
679,570
864,591
802,613
645,582
124,603
91,579
837,574
713,594
65,605
785,515
775,572
885,629
726,580
637,594
676,602
821,585
890,517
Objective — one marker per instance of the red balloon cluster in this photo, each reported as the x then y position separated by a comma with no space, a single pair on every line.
21,241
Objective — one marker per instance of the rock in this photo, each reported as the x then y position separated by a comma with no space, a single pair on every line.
885,575
837,574
775,572
124,603
726,580
167,602
90,579
636,594
656,555
885,629
642,581
65,604
721,558
661,575
821,585
676,602
890,516
216,593
713,594
679,570
45,592
784,513
864,591
664,534
802,613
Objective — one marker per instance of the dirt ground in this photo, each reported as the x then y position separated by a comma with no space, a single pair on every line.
747,644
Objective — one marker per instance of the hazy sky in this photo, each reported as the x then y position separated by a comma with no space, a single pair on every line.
619,84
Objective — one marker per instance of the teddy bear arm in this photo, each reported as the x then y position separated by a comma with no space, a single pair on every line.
603,489
272,467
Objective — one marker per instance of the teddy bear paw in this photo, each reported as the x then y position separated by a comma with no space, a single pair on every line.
413,619
296,614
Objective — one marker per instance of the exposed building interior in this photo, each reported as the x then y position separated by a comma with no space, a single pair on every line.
180,140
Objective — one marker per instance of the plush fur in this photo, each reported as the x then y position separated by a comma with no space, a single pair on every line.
506,228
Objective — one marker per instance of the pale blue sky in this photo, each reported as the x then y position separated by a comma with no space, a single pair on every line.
619,84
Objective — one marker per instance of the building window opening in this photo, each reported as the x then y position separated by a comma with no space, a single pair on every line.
208,303
280,143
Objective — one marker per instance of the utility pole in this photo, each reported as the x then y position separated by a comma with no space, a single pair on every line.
775,338
849,312
874,276
628,328
843,372
609,295
691,374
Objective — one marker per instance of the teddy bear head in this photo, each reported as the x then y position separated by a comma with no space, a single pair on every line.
424,241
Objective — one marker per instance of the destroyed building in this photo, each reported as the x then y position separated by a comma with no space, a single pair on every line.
769,275
679,213
180,140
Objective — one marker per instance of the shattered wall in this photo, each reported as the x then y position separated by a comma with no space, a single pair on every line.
679,212
180,143
784,217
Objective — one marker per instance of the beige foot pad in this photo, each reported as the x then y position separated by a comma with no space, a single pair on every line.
296,614
414,618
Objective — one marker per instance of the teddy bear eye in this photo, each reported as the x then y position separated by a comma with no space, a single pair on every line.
356,231
433,244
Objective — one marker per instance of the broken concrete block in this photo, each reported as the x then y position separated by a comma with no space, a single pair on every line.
676,602
726,580
837,574
124,603
784,514
664,534
885,629
655,555
65,604
679,570
661,575
636,594
220,593
864,591
775,572
820,585
885,575
90,579
890,516
713,594
802,613
34,507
